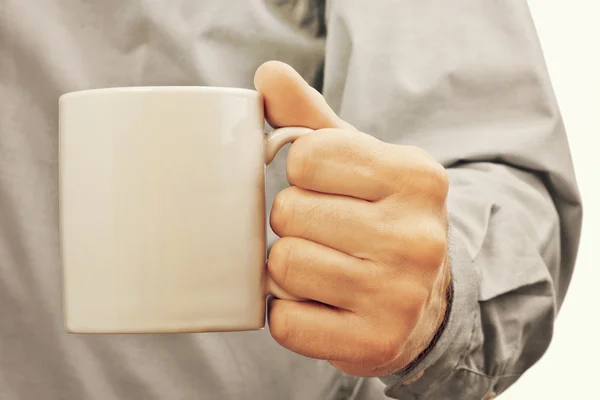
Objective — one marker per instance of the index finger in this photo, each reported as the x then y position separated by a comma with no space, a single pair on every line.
342,162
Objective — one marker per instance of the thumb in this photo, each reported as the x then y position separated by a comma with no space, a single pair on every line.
290,101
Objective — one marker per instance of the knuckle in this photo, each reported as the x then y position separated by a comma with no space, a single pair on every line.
299,166
428,175
373,285
399,241
279,325
420,241
432,181
436,247
280,258
414,300
439,179
306,153
413,240
438,254
386,213
383,350
280,211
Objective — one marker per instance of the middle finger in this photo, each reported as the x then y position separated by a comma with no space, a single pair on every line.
347,224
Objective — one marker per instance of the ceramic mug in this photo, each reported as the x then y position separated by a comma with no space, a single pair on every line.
162,209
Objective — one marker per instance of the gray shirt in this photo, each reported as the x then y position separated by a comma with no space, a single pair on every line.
464,80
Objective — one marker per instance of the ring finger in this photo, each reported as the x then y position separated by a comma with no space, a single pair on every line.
313,271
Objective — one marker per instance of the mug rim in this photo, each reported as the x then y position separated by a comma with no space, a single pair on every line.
161,89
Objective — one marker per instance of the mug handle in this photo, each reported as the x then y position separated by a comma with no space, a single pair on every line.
273,142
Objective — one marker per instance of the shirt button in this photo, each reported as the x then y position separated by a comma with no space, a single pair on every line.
489,396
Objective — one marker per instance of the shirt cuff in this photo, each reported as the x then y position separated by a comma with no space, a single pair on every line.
436,364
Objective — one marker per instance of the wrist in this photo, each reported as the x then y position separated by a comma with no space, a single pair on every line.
432,324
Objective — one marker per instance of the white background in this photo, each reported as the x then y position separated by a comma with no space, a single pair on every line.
570,35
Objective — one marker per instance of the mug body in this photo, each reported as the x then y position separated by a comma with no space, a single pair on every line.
162,212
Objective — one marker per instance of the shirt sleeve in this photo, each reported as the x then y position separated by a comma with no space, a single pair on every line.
467,82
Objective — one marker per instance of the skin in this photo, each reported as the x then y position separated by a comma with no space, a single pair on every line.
363,235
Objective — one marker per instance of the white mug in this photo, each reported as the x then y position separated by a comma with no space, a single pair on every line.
162,209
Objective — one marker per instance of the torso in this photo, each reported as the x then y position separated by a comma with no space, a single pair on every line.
55,47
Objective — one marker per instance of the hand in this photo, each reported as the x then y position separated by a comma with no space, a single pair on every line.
363,234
